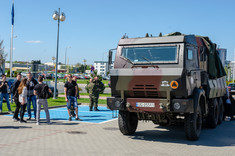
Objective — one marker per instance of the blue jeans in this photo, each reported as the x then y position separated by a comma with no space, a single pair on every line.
33,100
6,96
72,99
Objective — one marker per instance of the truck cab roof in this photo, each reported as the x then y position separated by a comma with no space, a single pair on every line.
158,40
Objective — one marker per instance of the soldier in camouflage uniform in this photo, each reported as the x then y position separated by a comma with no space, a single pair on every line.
100,87
93,94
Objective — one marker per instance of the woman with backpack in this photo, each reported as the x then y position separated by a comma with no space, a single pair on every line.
22,91
42,92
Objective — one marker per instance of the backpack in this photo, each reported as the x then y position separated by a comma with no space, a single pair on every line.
44,94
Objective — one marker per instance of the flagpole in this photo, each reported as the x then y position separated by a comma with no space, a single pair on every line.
11,53
233,64
11,49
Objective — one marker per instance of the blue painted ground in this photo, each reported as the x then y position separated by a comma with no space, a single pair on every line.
83,112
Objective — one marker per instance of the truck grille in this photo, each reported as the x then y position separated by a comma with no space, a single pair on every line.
145,91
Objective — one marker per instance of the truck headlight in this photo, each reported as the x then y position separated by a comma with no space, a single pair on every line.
117,104
128,104
177,105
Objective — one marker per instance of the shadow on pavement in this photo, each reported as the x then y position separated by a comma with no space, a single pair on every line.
61,123
76,132
222,135
14,127
91,116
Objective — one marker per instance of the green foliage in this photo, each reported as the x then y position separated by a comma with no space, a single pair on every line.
15,73
8,73
147,35
36,61
160,34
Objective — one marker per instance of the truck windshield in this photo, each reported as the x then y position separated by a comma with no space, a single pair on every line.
167,54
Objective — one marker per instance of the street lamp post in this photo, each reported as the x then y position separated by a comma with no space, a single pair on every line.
58,17
84,65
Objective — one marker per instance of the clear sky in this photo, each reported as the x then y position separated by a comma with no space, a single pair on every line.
92,27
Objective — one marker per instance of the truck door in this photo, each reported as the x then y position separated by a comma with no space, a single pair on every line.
193,70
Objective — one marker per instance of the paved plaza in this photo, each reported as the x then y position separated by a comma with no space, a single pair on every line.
104,138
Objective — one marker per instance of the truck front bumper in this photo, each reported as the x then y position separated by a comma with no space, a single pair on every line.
151,105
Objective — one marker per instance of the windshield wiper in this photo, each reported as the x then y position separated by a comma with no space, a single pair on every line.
127,60
151,63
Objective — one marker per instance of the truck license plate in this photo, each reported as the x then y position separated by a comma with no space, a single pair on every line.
145,104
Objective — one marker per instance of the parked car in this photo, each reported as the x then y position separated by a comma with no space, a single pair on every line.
77,76
105,78
231,88
24,74
82,77
49,76
10,83
51,88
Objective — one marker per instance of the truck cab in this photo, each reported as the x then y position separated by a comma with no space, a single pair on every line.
162,78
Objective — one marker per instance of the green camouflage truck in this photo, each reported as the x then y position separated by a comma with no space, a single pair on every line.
169,79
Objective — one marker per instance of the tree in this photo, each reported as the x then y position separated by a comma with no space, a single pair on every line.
15,73
160,34
78,64
36,61
2,53
147,35
8,73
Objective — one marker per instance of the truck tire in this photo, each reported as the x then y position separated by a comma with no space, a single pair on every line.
193,124
212,118
127,122
221,110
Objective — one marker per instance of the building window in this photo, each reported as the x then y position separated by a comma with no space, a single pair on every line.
101,63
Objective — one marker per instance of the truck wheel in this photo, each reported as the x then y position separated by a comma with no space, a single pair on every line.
193,124
221,111
212,119
127,122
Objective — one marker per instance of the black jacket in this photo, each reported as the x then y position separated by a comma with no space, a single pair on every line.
15,86
30,87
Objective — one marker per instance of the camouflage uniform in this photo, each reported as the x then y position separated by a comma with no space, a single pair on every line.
100,86
93,94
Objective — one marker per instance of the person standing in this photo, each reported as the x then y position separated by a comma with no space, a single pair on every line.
4,93
22,91
93,94
70,91
15,86
10,87
75,83
31,98
40,91
101,88
228,109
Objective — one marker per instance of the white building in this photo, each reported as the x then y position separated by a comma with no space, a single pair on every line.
102,67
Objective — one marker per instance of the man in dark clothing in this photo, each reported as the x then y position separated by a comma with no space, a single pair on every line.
4,93
41,100
71,91
31,83
15,86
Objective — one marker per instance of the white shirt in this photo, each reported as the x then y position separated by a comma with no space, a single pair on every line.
23,95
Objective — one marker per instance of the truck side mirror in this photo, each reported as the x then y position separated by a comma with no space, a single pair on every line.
110,57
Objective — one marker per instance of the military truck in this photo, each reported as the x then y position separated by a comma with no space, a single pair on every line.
166,80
